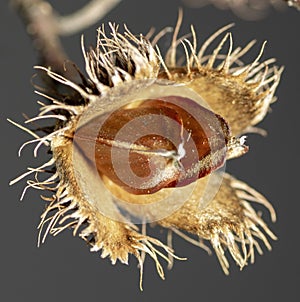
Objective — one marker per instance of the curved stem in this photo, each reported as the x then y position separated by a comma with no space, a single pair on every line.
41,25
45,26
85,17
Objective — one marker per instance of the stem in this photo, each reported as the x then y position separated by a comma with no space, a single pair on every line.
41,25
85,17
45,26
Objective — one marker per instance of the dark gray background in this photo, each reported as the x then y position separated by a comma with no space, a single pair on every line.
63,269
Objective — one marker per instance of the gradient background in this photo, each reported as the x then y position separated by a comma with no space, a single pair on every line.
63,269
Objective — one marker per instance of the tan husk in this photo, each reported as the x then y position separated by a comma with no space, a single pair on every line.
229,222
241,94
114,238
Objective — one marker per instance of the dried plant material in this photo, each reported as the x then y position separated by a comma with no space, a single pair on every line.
91,13
240,93
294,3
127,72
245,9
229,222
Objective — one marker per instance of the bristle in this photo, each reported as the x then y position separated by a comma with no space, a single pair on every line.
240,93
228,221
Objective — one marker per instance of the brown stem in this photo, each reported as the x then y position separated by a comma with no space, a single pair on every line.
45,26
86,16
41,25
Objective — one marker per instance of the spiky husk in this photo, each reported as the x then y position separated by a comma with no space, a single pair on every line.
242,94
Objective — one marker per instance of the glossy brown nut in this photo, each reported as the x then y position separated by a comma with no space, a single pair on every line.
158,143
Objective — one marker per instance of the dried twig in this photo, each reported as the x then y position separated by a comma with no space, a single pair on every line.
85,17
45,26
